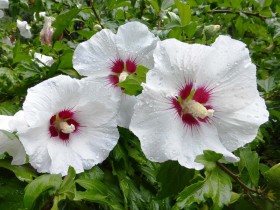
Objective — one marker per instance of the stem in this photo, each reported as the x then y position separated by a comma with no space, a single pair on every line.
236,178
233,12
95,14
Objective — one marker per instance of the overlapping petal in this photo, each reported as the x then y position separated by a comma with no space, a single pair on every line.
94,109
219,71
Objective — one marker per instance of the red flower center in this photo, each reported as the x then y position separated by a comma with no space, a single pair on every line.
191,105
120,70
63,124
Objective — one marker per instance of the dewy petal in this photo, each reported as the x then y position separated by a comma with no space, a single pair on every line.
163,136
96,149
62,156
96,54
50,97
24,29
90,104
176,64
134,40
229,72
126,110
239,128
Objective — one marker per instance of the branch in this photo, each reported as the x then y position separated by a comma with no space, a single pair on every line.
237,178
95,14
233,12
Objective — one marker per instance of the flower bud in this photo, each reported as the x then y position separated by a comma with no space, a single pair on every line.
97,27
46,34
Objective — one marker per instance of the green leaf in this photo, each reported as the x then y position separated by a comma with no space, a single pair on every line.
272,176
173,178
208,159
63,20
23,173
11,191
250,160
216,186
184,12
132,84
68,185
47,183
8,108
99,192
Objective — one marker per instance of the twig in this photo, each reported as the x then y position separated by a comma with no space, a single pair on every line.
95,14
238,12
237,178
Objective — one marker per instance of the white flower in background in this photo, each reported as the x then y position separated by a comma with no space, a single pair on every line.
9,143
68,126
47,60
112,57
7,41
4,4
24,29
46,34
41,14
198,98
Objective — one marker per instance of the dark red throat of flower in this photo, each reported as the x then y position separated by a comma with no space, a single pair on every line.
63,124
192,106
120,68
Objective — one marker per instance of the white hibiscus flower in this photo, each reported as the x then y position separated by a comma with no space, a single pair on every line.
4,4
69,126
9,143
198,98
24,29
112,57
43,59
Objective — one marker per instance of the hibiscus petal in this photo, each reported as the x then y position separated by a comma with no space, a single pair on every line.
96,54
126,110
239,128
134,40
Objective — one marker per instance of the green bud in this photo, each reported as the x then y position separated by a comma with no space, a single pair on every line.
97,27
211,30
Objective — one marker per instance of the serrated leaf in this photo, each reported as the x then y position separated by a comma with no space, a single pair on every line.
68,185
63,20
250,160
184,12
173,178
216,186
23,173
48,183
208,159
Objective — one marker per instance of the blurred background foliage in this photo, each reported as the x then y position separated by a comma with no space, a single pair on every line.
127,180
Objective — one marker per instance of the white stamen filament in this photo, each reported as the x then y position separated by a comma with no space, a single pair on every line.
66,128
196,109
123,76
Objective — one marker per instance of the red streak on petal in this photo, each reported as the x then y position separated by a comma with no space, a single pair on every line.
53,131
52,120
201,95
114,79
185,92
189,120
64,136
176,104
118,66
130,66
65,114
